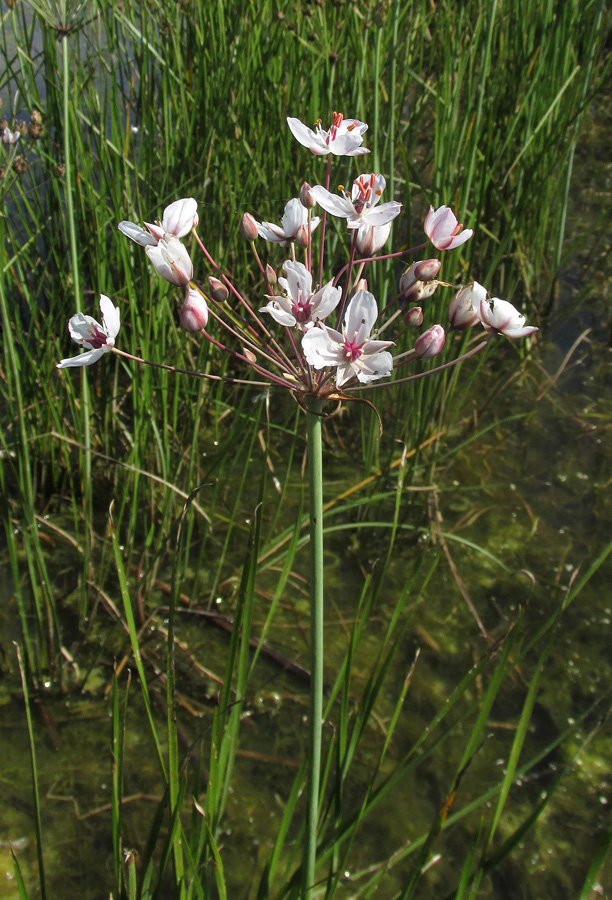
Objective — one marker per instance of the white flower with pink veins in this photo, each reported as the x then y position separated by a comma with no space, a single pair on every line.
360,206
294,218
344,137
352,352
499,315
299,307
95,338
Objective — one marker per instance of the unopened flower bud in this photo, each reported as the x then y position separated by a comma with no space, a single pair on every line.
194,311
301,236
427,269
306,197
249,355
419,290
407,279
248,227
271,274
461,312
430,342
218,290
414,317
20,165
36,128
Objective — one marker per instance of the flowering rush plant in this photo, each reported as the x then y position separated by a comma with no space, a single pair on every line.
322,338
316,337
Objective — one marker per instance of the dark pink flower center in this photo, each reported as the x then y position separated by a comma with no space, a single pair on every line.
366,189
352,350
97,338
301,309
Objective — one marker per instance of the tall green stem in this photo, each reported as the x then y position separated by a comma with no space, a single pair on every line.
74,271
315,484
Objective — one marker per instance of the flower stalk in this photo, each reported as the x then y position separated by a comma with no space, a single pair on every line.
314,418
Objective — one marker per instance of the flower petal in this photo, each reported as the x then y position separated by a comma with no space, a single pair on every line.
332,203
83,359
111,319
137,234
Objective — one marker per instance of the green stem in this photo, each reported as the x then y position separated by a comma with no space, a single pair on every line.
74,269
315,483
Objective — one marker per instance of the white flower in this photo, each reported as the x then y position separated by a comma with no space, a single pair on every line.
10,137
300,307
294,217
351,351
499,315
171,260
97,339
359,208
443,230
344,138
178,220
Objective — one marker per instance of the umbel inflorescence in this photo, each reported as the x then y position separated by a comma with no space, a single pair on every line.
311,335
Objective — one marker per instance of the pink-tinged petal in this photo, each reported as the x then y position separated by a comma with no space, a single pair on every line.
464,308
180,217
372,238
443,230
458,239
332,203
80,327
371,347
111,319
299,280
325,300
137,234
524,331
279,314
360,317
271,232
172,261
379,216
194,311
294,215
374,365
430,342
307,137
83,359
321,348
502,317
156,231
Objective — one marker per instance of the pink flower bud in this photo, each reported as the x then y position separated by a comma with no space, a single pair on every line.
414,317
249,355
430,342
218,290
194,311
427,269
271,274
301,236
306,197
461,311
248,228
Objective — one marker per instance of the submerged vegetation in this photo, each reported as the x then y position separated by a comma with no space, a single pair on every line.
157,527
